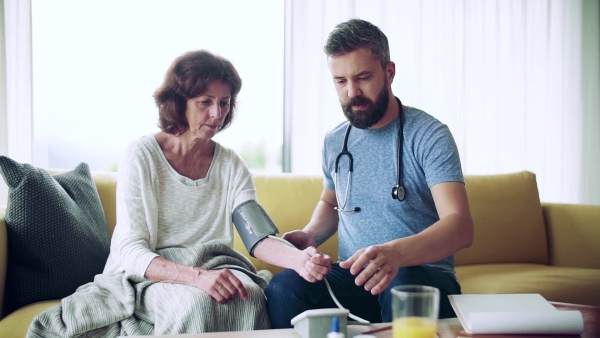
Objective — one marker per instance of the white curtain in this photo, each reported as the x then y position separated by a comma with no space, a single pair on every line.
515,80
15,84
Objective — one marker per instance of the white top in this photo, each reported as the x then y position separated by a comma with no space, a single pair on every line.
159,208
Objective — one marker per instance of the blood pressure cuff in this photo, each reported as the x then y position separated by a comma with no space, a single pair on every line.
253,224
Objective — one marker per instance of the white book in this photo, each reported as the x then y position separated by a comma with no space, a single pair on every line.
528,313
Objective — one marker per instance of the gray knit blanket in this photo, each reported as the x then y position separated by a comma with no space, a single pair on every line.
127,305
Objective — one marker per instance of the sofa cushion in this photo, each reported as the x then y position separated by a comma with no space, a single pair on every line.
106,184
555,283
573,228
57,233
16,324
509,224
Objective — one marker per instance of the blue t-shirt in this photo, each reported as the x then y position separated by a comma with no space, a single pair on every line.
429,157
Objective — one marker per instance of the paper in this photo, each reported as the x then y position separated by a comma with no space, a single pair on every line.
514,314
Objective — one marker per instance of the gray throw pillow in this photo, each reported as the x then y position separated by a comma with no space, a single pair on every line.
57,233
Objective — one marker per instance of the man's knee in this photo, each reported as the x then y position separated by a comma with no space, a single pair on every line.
285,298
420,275
415,275
283,283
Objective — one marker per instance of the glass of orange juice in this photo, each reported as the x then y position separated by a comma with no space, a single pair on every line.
415,311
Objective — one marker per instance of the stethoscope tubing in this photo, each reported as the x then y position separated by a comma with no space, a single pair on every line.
344,152
398,191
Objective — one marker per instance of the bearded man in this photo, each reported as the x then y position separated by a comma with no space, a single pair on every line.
393,191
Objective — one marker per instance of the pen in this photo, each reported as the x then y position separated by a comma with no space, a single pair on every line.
379,329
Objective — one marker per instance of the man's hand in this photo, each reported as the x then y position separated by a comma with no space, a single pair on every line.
315,266
222,285
299,239
381,263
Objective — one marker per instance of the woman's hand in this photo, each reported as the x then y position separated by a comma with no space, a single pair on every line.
314,265
222,285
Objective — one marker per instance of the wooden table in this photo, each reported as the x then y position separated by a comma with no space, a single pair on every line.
447,328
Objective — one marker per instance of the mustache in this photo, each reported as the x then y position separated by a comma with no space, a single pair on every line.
356,101
359,101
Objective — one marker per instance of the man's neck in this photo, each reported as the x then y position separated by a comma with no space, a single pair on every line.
391,113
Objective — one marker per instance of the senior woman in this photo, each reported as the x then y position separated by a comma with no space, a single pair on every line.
172,249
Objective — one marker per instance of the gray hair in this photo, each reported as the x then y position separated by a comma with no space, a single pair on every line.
354,34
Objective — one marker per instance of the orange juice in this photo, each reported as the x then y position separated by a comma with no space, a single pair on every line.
414,327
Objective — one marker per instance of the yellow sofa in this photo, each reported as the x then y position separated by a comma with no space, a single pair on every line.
520,245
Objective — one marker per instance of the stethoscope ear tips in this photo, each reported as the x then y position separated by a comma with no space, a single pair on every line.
398,193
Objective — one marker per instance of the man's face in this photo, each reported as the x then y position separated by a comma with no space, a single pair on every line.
371,114
362,87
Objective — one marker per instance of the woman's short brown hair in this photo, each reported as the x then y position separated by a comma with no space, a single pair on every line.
188,77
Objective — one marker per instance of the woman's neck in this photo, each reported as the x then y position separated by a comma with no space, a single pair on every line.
190,157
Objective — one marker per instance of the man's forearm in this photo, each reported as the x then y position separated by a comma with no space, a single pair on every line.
323,223
440,240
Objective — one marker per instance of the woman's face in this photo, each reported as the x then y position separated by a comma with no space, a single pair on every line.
205,113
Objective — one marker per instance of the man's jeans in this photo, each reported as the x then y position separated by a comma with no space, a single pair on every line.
288,294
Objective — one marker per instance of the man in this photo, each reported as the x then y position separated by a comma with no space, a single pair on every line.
387,237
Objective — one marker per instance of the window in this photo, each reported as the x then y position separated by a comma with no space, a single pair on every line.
97,63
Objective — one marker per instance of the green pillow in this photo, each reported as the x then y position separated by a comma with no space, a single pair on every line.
57,233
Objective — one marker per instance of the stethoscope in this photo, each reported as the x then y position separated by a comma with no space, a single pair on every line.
398,191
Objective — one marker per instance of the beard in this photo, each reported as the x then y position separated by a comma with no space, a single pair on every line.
365,118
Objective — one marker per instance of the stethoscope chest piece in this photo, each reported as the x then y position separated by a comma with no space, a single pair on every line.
398,193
